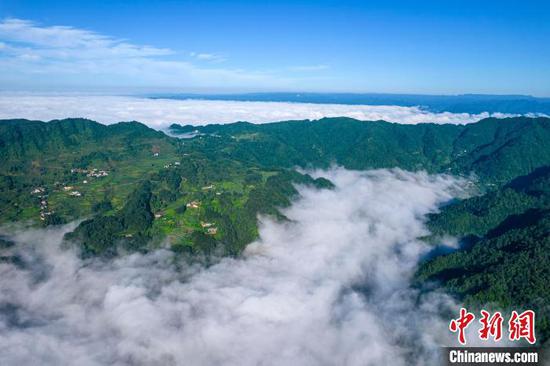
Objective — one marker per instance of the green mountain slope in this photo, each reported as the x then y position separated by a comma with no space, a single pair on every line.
79,168
477,215
497,150
507,256
137,188
38,155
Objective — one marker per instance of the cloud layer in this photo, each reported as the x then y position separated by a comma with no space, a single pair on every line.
64,42
52,57
331,287
160,113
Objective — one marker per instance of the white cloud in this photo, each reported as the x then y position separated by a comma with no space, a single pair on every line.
208,57
160,113
331,287
62,41
71,57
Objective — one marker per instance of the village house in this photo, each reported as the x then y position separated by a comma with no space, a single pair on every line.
193,204
43,214
98,173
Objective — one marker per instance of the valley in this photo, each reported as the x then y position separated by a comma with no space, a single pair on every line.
135,189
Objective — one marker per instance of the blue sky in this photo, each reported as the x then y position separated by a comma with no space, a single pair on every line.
430,47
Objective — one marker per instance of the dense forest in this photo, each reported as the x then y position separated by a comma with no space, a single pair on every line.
496,150
505,256
138,189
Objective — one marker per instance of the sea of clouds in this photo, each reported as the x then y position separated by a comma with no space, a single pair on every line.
160,113
329,287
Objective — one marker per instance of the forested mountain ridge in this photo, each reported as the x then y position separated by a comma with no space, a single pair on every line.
137,187
497,150
478,215
24,140
45,157
79,168
505,259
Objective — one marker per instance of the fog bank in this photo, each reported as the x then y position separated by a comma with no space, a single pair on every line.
160,113
330,287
